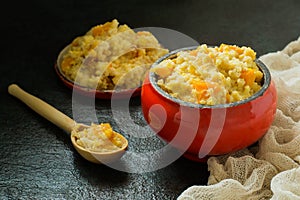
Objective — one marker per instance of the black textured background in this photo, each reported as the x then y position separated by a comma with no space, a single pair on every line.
37,160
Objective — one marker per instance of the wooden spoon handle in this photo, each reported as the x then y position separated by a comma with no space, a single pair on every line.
43,108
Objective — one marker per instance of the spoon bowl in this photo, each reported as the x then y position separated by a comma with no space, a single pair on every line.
66,123
103,157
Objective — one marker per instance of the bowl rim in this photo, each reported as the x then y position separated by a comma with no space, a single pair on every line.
259,63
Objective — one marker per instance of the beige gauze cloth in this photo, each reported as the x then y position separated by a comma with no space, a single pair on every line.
270,170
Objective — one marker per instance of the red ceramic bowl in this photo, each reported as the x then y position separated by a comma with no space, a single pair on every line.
201,130
100,94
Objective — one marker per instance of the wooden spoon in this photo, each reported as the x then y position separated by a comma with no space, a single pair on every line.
66,123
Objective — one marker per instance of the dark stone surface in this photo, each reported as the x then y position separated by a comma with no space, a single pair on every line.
37,160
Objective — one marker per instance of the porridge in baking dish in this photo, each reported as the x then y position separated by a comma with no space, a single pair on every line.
210,75
110,56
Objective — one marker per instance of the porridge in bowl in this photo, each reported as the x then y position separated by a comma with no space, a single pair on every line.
208,101
109,57
210,75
